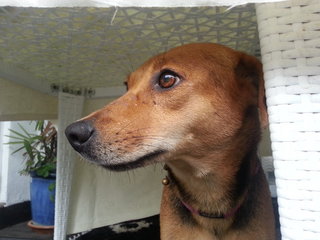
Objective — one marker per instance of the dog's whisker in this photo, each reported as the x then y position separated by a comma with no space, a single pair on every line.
146,145
128,174
132,130
156,137
123,128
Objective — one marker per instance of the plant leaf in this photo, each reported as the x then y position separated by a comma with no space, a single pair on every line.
39,149
28,148
20,142
17,133
24,130
17,150
13,137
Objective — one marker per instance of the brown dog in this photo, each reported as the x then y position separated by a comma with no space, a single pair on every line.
194,108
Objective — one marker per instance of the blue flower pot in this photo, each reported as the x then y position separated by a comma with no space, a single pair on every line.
42,201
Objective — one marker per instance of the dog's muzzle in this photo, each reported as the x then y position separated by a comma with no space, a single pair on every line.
79,134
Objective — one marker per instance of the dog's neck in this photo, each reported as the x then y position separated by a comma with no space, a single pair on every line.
211,190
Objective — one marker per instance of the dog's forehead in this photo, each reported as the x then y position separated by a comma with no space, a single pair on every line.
188,61
191,55
203,52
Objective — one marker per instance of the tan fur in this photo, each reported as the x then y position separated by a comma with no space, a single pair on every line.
200,123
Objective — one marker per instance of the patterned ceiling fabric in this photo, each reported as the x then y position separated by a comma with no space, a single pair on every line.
127,3
99,47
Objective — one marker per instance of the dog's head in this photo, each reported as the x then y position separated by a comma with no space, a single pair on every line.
181,104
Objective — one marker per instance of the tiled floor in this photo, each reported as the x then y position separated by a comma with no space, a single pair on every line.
22,232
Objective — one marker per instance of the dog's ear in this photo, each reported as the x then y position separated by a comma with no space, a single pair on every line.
262,102
250,68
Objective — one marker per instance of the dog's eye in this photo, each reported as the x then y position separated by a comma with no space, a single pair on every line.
168,79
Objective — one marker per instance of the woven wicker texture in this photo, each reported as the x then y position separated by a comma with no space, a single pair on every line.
290,39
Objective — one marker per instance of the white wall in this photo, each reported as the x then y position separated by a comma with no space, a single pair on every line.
21,103
14,188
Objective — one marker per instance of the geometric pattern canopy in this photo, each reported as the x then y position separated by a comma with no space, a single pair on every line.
97,47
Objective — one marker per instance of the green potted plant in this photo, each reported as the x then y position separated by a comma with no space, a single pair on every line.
40,152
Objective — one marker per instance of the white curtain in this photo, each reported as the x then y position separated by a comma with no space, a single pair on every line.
70,109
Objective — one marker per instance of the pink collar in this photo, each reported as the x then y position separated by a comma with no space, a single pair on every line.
229,214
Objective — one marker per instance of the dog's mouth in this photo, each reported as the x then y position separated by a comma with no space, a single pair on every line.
137,163
117,155
115,159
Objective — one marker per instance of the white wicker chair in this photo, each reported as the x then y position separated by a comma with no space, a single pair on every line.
290,46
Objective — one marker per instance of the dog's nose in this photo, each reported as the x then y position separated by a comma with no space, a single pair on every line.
78,133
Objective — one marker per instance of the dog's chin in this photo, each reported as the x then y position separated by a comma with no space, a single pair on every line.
142,161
